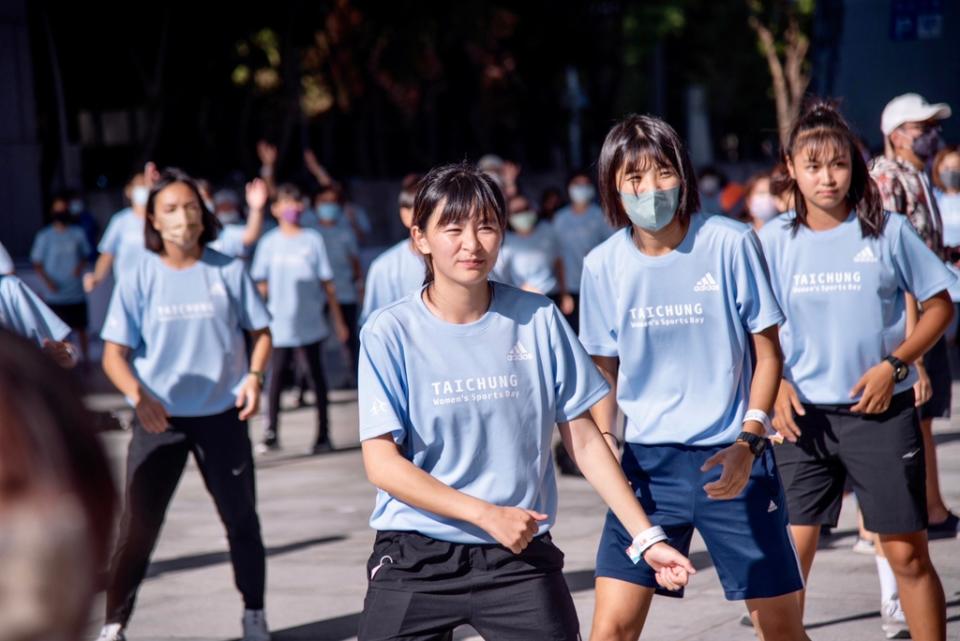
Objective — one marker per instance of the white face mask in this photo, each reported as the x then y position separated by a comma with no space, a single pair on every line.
709,185
229,216
523,221
581,194
762,207
139,196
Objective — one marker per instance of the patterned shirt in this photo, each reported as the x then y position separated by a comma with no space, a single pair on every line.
906,190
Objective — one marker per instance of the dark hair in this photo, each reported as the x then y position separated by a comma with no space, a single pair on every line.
170,176
465,192
50,441
287,191
408,190
578,173
937,161
633,142
820,128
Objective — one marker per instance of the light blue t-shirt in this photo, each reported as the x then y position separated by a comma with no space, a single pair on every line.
577,235
342,250
392,275
949,206
680,324
185,328
294,268
6,263
529,261
123,239
473,405
22,312
843,296
230,241
61,252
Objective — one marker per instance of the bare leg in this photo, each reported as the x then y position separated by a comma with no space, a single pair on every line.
921,593
936,508
778,618
620,611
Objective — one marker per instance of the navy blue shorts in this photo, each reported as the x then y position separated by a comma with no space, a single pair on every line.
747,537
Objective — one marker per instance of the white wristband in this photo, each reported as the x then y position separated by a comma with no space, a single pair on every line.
644,541
760,417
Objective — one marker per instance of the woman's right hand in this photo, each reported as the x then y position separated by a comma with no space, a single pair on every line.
151,413
512,527
673,569
787,403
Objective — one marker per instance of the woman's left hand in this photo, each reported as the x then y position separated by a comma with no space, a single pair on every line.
673,568
877,388
737,461
248,398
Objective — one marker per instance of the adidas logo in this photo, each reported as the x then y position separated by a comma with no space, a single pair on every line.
707,284
217,289
519,353
772,507
379,407
865,255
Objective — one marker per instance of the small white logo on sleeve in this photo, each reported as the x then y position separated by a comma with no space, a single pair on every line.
772,507
217,289
379,407
865,255
911,454
519,353
707,284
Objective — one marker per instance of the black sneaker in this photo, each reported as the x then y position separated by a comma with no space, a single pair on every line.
945,529
322,446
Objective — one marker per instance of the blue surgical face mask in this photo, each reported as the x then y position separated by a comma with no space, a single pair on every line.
328,212
651,210
581,194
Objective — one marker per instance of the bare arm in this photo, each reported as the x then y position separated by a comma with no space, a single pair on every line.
42,273
766,375
116,365
604,413
264,289
248,398
100,271
339,324
388,470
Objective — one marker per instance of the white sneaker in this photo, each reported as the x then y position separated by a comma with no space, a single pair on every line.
894,622
111,632
255,626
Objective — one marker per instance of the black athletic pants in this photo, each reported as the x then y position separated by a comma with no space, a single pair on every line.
279,362
221,446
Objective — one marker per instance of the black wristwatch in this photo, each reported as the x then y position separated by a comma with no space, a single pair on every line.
757,444
900,369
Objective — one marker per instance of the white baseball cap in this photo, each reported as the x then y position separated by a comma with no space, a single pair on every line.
910,107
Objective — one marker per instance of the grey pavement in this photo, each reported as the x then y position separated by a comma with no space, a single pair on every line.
314,513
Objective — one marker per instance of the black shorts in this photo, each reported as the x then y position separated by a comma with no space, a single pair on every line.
420,589
937,364
73,314
882,454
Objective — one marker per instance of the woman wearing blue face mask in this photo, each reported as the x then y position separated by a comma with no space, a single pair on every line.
293,273
344,254
659,299
578,227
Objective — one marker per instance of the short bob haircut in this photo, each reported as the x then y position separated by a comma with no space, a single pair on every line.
464,192
634,143
170,176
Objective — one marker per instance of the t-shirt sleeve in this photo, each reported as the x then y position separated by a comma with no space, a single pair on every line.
578,383
110,242
350,240
919,270
123,323
598,329
253,310
324,271
33,319
382,390
39,248
755,299
261,261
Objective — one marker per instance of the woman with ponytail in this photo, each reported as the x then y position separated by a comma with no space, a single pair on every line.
841,269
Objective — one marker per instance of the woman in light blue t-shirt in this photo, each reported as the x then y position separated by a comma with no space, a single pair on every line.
461,385
174,346
843,270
